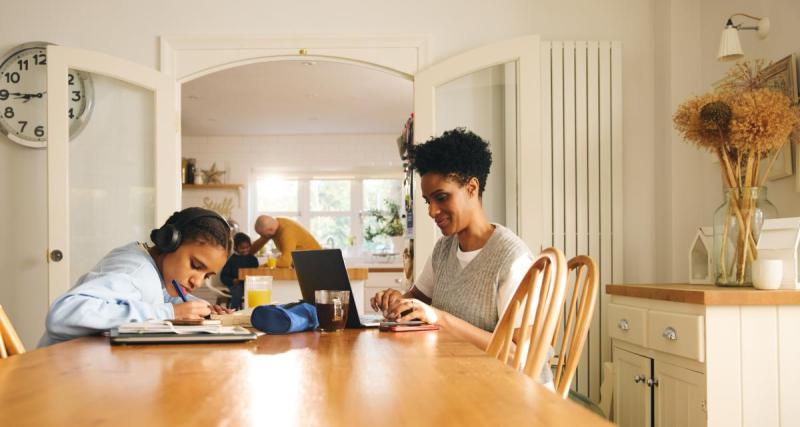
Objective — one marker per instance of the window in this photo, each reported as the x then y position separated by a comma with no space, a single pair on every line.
331,217
334,210
277,195
377,195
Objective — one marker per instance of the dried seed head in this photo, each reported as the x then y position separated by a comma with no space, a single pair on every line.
715,116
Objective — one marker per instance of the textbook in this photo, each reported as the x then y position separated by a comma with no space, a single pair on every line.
164,331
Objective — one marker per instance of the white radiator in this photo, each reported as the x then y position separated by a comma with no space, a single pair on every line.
582,136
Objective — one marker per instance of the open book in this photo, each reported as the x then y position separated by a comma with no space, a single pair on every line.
164,331
166,326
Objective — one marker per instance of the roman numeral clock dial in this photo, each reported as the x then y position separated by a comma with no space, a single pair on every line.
23,96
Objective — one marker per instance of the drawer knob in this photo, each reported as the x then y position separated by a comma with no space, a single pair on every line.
652,382
398,281
623,324
639,379
670,334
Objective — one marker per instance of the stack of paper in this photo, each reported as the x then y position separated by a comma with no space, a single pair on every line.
166,327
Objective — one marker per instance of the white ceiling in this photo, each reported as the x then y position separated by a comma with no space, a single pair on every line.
295,97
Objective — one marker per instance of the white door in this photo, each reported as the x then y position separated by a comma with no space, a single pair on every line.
632,398
120,176
493,91
680,396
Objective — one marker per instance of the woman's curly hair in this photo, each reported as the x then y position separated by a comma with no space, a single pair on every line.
458,154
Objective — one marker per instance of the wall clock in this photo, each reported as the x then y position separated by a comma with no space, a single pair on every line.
23,96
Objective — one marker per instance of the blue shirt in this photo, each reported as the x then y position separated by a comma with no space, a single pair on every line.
125,286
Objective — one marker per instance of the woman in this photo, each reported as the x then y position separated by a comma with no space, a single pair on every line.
475,268
135,282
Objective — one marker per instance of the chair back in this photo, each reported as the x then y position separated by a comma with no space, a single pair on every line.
10,344
579,309
546,279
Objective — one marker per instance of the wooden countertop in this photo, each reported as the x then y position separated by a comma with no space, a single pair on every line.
290,274
705,294
349,378
385,269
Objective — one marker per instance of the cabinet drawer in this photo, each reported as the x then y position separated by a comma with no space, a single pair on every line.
385,280
627,323
679,334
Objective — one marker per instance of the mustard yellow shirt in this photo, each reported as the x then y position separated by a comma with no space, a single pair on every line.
292,236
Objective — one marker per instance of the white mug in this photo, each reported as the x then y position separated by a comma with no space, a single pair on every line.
767,273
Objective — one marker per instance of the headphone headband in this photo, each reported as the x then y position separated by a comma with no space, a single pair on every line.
168,237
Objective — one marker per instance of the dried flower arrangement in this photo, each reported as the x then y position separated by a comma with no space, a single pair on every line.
741,122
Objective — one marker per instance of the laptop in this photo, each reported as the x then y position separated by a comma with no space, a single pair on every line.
325,270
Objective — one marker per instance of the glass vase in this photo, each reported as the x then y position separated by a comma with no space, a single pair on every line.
737,226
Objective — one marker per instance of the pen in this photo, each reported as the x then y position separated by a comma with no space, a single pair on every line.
179,290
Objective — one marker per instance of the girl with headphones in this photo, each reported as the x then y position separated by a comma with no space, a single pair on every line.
135,282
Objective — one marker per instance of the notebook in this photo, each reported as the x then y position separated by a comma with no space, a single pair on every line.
163,331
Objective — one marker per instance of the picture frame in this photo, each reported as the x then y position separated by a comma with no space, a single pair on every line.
782,76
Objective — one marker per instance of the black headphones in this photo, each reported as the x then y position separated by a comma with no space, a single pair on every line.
168,237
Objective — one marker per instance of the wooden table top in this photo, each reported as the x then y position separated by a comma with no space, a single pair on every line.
706,294
291,274
354,377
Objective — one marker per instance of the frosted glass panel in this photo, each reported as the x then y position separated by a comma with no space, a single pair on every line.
485,103
112,174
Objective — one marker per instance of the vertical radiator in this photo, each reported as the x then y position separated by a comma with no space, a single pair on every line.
582,138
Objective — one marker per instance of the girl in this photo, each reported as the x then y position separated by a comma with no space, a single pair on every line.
135,282
475,268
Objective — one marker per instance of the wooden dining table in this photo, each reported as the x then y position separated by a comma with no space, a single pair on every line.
352,377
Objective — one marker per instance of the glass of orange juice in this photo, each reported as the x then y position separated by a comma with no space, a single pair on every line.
272,262
257,290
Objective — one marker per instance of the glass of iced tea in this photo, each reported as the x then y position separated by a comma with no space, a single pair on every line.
332,309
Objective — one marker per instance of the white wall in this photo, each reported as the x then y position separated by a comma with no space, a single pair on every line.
247,156
688,183
131,30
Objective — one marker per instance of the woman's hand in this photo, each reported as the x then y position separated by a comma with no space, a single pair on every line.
191,310
412,309
383,300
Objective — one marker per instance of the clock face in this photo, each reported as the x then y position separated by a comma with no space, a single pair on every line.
23,96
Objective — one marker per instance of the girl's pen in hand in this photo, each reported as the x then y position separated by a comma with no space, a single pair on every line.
179,290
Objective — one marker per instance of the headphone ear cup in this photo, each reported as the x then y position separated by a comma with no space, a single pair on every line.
166,238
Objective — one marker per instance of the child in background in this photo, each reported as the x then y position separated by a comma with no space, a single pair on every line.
134,283
230,273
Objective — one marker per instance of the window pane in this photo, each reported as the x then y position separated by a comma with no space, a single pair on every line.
276,195
379,243
378,191
330,195
336,228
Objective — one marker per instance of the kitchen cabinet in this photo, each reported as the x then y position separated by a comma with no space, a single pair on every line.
696,355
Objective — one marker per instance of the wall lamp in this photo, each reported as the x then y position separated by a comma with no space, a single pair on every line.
729,47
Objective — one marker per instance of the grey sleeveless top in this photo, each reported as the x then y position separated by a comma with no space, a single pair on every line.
471,293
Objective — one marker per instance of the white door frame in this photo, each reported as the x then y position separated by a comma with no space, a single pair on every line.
524,52
194,56
167,176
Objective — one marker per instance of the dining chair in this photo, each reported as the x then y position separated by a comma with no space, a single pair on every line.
579,309
546,279
10,344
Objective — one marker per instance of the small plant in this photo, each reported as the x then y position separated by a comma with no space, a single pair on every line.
387,224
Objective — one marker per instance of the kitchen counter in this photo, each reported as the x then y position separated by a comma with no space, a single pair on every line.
705,294
290,274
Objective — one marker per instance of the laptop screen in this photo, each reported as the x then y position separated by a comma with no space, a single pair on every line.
324,269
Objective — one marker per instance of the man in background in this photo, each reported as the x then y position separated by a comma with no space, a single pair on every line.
288,235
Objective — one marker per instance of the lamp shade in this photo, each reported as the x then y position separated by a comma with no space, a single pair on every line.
729,47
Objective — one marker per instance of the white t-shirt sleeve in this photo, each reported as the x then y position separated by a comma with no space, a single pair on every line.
424,283
509,284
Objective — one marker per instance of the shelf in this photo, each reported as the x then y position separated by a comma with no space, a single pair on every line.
212,186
